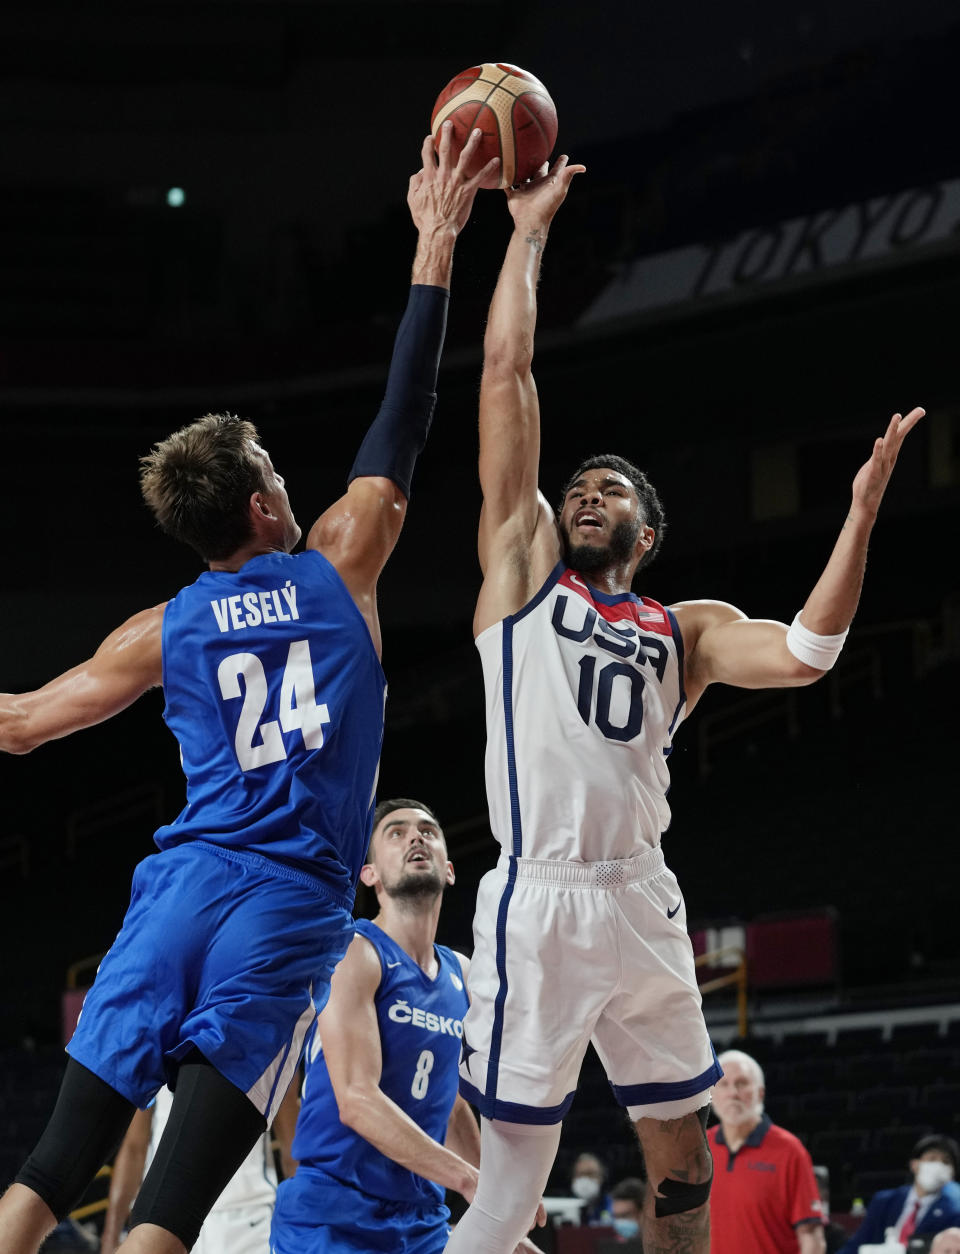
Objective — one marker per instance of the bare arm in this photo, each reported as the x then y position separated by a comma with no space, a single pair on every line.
126,1178
284,1126
723,646
358,533
351,1047
125,665
514,516
810,1239
463,1133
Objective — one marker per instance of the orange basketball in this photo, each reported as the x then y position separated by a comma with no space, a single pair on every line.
514,111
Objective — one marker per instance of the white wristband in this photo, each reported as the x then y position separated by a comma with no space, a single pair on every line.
820,652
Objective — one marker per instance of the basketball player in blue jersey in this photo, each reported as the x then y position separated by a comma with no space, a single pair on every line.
580,931
270,666
382,1130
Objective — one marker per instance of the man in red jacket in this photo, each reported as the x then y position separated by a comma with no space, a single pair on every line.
765,1198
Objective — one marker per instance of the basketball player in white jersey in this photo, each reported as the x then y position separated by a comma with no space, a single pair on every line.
239,1220
580,930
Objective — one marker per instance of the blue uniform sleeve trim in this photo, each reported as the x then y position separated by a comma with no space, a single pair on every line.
516,824
678,641
672,1091
399,431
535,600
515,1112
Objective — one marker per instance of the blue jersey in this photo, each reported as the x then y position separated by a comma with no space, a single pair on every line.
275,692
421,1023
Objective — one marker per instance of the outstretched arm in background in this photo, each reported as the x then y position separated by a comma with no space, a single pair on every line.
723,646
517,541
126,1178
358,532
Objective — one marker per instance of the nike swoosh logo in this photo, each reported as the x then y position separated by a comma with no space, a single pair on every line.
391,965
671,913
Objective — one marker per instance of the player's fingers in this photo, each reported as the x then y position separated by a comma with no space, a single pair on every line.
488,170
468,151
910,421
446,139
428,154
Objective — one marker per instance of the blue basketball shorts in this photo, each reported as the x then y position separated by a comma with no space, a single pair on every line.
221,951
313,1213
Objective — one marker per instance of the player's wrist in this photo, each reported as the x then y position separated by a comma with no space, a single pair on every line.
433,261
861,514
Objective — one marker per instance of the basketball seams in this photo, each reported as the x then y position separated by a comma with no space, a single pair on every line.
498,90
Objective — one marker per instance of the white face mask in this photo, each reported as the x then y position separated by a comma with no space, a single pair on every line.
932,1176
585,1188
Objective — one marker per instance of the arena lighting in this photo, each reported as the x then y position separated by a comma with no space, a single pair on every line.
175,197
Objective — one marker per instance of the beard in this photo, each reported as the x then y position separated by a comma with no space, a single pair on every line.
587,558
415,885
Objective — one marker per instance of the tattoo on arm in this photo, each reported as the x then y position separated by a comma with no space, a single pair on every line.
535,240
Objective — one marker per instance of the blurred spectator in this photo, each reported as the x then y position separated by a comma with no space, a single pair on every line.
626,1200
929,1205
764,1198
946,1242
833,1234
586,1183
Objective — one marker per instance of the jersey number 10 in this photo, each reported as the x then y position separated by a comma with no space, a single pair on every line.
298,705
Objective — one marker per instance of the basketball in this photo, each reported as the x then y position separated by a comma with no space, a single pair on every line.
513,110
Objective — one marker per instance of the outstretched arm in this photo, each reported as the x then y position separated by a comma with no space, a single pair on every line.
351,1047
127,663
723,646
358,533
513,512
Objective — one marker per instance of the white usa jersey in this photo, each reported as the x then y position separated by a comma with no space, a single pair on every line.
583,694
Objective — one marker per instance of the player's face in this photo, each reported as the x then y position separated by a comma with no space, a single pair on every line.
410,855
600,521
276,494
737,1095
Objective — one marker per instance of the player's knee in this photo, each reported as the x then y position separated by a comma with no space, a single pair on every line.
53,1183
676,1196
662,1143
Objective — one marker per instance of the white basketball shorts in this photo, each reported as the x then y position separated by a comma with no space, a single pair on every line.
569,952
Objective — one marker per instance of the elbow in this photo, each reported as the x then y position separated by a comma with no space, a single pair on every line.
507,356
351,1106
15,738
804,675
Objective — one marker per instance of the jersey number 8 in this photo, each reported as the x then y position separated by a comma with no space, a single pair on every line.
421,1077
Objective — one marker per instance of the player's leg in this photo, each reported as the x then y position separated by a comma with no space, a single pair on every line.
515,1162
659,1059
676,1214
211,1129
87,1125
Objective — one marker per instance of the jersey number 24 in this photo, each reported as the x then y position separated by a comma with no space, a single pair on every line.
259,744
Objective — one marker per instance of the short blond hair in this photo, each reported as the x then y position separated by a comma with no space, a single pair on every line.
198,482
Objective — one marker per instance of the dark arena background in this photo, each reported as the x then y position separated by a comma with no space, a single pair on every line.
202,208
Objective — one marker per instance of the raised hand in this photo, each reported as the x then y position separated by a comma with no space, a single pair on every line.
537,200
441,194
872,478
